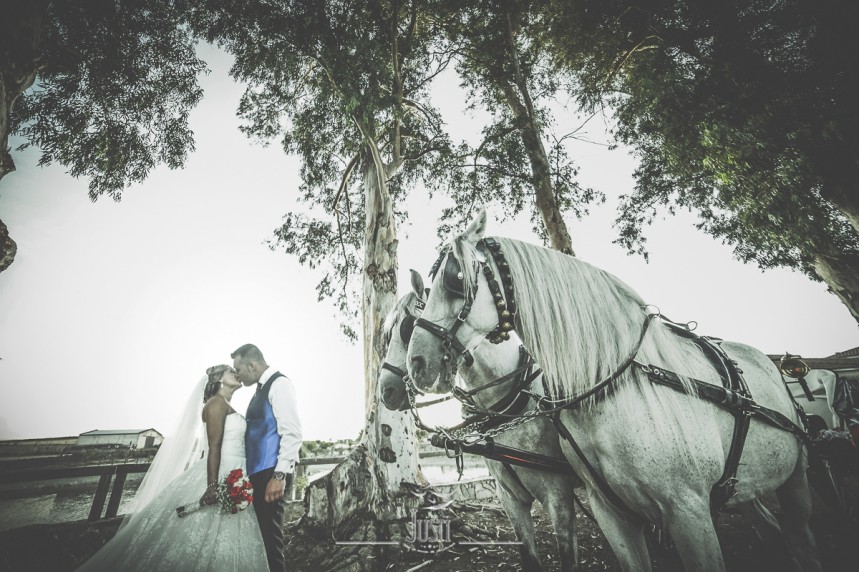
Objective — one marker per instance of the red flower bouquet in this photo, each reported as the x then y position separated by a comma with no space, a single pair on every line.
235,493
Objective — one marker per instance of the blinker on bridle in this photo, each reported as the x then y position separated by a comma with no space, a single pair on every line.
407,326
453,281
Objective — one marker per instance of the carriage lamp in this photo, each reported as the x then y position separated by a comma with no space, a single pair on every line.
794,368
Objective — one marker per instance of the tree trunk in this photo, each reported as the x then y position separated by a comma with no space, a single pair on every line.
20,34
841,273
844,198
363,499
520,103
544,193
391,434
8,248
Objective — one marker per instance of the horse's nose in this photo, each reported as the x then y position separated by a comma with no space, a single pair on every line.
419,365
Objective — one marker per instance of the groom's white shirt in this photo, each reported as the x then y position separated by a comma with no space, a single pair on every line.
285,408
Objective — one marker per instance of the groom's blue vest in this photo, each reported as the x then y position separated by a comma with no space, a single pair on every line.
262,441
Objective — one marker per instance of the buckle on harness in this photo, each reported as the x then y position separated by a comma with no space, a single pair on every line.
646,369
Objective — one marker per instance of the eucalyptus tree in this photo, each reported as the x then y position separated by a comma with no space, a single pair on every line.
746,112
502,62
102,87
345,86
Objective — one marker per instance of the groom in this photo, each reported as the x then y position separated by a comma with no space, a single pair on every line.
272,442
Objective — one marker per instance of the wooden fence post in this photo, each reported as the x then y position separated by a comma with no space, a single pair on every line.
116,492
100,495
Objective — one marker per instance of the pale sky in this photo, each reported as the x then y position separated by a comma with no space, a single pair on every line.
111,311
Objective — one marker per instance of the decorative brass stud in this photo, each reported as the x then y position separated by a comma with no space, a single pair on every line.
505,336
500,304
505,315
506,326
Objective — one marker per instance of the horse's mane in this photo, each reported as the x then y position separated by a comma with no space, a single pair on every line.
580,323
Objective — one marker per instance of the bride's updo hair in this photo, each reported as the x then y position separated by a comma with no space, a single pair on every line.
214,384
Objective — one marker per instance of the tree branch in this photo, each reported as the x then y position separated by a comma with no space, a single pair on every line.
344,182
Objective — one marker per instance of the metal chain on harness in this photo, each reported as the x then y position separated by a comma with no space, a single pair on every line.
466,433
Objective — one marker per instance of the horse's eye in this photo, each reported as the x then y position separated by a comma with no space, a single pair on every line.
407,326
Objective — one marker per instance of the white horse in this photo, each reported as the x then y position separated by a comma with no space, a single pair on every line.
517,486
659,451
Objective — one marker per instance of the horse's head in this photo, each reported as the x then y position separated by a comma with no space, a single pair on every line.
398,329
464,305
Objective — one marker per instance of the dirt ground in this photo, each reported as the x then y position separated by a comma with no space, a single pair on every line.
62,547
742,550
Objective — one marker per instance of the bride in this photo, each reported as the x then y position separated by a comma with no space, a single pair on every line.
153,536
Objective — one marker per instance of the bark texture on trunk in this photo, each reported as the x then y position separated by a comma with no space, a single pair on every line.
544,194
391,434
8,248
363,498
846,200
521,105
841,273
20,60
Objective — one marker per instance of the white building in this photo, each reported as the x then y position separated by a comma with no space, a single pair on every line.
137,438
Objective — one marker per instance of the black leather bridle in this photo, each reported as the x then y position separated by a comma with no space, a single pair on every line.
453,281
407,326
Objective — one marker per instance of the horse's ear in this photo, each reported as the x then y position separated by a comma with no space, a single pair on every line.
477,228
417,284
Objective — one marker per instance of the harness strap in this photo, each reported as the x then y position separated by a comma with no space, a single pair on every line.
513,402
525,361
495,417
726,487
448,337
727,369
597,477
505,454
490,443
552,406
516,479
394,369
726,399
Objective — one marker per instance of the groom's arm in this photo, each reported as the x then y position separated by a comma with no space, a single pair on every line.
285,409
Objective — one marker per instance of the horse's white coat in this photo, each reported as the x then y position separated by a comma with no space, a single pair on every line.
555,492
660,451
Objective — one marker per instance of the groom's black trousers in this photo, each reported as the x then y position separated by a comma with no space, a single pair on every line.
270,517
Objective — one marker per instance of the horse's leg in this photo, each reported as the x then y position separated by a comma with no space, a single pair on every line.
563,514
691,528
765,524
795,500
519,513
768,530
625,535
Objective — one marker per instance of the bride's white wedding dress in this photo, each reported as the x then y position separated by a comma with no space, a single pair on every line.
156,539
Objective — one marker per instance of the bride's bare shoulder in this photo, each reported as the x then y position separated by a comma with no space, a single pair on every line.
216,409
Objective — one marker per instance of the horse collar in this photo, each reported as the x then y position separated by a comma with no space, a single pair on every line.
505,304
